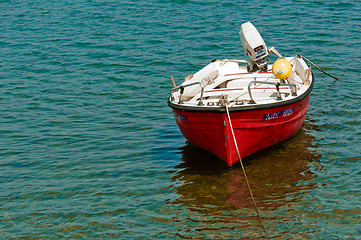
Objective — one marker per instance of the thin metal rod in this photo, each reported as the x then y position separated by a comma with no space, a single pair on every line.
244,172
182,87
277,84
319,68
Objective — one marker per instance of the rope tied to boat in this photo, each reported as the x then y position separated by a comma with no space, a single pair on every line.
225,102
318,67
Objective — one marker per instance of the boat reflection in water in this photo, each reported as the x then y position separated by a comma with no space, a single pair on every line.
277,175
217,202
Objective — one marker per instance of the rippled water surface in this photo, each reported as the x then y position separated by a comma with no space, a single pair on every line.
90,149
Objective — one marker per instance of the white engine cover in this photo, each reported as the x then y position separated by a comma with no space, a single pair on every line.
252,42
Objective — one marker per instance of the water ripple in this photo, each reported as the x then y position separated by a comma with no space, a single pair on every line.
89,148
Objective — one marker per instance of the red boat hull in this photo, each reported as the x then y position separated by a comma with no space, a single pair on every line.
254,129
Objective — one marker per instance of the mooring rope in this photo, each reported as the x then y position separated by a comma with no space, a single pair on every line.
244,172
319,68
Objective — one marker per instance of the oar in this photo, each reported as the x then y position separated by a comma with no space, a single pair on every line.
174,85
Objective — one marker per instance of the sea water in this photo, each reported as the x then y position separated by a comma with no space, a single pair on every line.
90,149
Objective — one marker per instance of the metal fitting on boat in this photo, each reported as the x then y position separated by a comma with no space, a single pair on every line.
223,100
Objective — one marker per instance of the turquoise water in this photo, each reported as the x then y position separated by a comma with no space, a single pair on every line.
90,149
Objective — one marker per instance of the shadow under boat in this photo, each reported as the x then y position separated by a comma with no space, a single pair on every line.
274,173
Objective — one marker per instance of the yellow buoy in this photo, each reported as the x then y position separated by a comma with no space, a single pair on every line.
282,68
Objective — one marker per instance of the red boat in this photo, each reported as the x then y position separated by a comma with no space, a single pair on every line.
234,110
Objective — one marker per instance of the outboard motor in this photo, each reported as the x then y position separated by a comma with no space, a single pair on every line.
255,48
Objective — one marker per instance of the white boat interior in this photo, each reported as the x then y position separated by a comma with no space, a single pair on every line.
231,80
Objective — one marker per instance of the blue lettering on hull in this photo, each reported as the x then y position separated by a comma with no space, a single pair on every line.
283,113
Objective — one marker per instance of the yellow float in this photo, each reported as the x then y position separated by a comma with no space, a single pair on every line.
282,68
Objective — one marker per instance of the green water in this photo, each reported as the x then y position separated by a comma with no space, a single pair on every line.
90,149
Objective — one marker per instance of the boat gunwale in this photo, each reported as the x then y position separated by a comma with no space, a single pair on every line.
248,107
